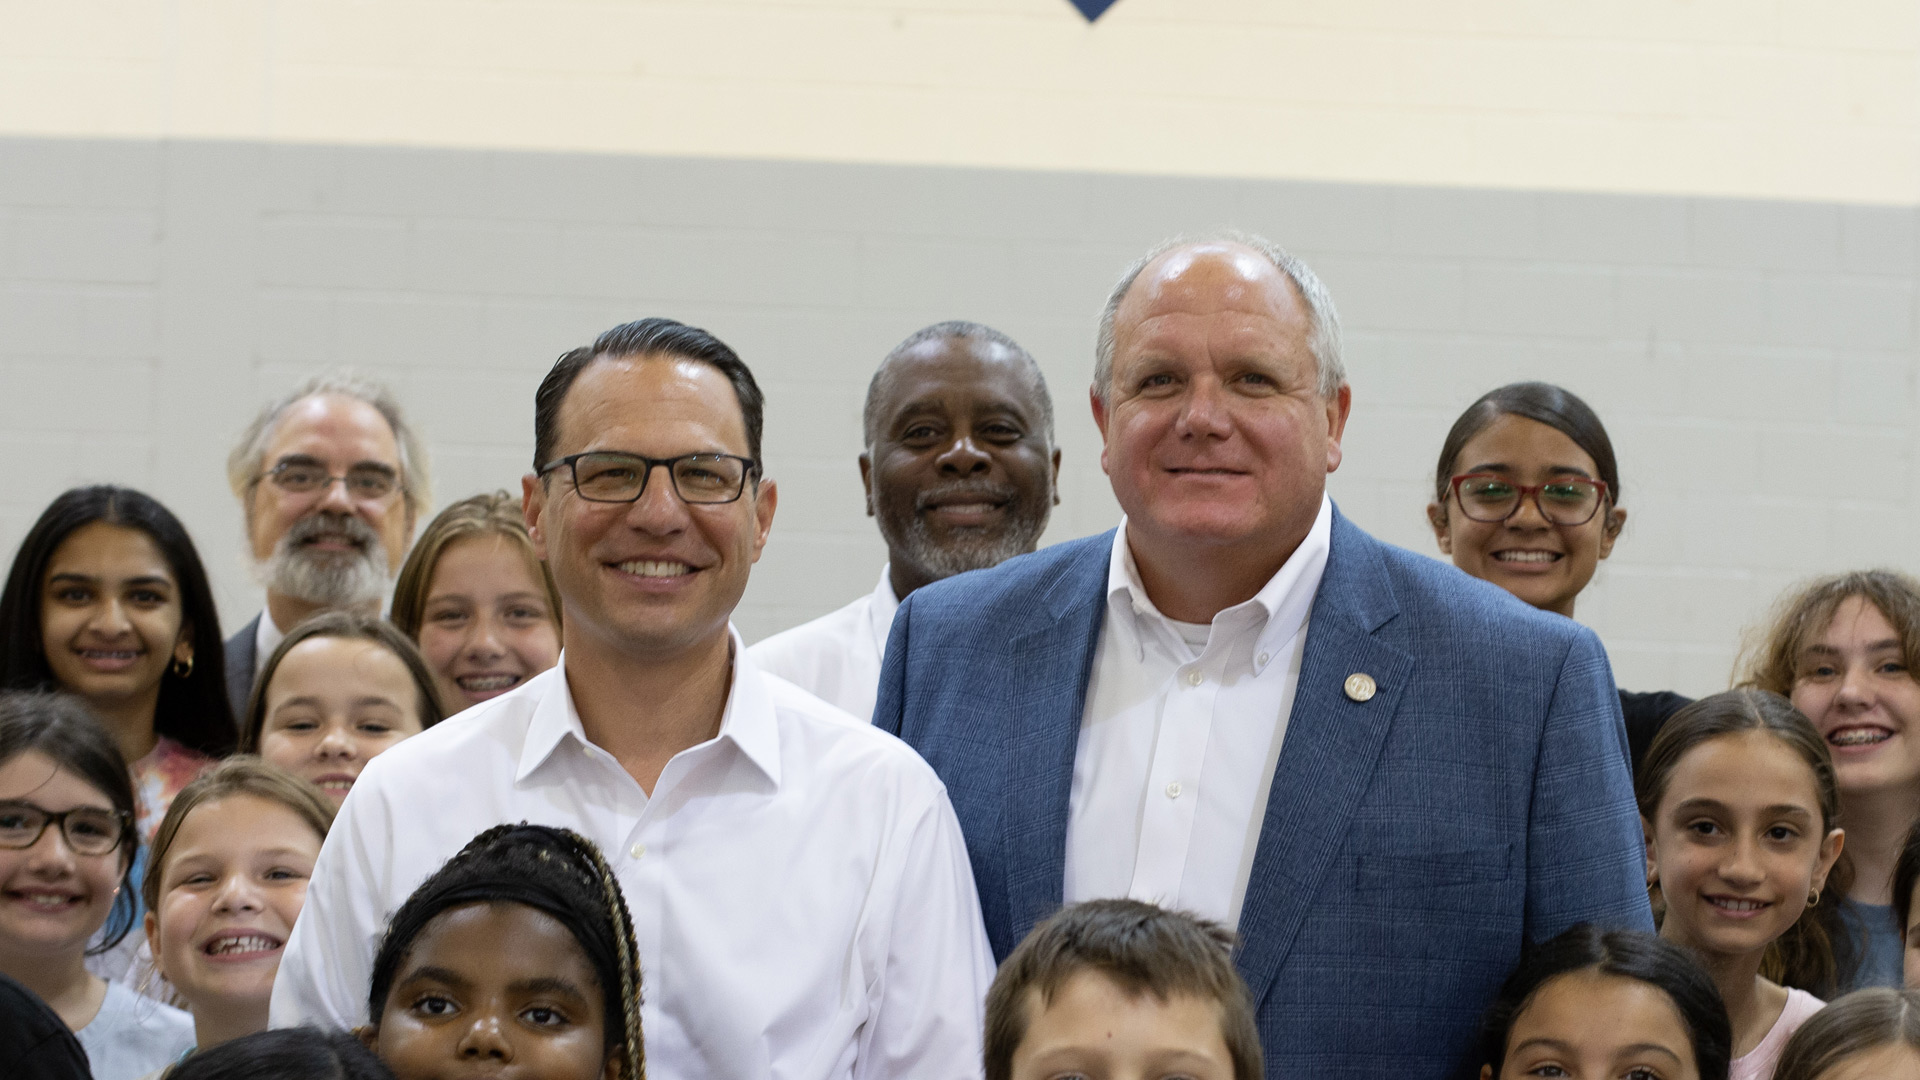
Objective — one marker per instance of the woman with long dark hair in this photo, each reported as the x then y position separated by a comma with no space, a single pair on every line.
107,600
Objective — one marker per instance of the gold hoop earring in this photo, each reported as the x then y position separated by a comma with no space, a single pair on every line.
183,668
1813,899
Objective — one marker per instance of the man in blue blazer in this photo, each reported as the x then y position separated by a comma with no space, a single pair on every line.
1388,776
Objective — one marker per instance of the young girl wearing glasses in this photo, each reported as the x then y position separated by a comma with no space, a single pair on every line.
1527,496
67,843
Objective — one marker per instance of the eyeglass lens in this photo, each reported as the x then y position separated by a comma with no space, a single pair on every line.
88,831
1563,502
363,481
699,478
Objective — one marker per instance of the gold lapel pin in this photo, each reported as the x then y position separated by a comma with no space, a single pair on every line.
1360,686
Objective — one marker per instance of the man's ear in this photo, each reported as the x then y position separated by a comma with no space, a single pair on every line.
533,501
866,478
369,1036
1056,477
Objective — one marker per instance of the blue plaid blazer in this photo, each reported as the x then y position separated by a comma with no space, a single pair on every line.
1413,843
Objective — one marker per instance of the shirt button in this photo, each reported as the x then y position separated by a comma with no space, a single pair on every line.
1173,790
1194,678
1262,659
637,850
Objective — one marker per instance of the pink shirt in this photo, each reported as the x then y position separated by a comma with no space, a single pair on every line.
1758,1063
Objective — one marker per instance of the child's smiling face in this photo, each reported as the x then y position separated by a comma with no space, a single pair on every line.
1096,1030
1739,843
495,990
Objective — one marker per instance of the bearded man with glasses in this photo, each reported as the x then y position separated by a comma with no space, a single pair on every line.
799,885
331,479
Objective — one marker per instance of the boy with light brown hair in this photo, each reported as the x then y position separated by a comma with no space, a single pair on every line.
1122,990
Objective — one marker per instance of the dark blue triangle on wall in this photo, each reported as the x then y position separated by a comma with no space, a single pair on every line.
1092,9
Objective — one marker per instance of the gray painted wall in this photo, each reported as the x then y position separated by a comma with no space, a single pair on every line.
1755,362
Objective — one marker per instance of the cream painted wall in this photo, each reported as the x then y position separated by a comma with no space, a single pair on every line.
1795,99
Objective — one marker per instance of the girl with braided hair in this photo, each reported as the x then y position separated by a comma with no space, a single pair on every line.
517,956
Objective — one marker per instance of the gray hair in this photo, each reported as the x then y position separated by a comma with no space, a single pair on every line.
1323,322
243,464
962,329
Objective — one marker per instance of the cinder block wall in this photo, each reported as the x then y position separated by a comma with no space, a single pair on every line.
1755,361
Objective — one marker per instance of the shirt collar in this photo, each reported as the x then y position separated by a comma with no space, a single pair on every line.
267,637
880,613
747,723
1280,607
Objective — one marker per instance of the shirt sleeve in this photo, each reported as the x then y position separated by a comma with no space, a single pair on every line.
1586,856
936,964
328,965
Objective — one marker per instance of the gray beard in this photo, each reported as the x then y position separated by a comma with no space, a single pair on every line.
974,550
328,579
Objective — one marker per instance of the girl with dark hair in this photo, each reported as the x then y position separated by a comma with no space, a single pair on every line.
67,843
523,941
340,689
107,599
1846,649
1741,812
1597,1004
1527,496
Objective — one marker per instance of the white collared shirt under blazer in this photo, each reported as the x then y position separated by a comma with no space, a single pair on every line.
799,886
1180,737
836,657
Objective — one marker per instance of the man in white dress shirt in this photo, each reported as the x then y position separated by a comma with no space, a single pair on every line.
961,474
798,882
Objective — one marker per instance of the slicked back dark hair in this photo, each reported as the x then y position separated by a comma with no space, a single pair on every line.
554,871
192,710
1560,409
1626,954
63,729
301,1053
644,337
1143,948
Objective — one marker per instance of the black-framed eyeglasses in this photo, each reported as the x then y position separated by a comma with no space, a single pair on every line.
1492,498
610,476
89,830
300,477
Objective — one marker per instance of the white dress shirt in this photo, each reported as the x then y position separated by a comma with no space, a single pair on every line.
799,885
267,637
836,657
1180,737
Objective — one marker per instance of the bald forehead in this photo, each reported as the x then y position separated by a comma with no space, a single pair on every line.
1209,277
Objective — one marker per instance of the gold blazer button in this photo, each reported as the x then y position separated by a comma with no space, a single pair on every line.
1360,686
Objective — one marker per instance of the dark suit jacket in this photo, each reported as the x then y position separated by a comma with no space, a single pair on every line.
1412,844
240,664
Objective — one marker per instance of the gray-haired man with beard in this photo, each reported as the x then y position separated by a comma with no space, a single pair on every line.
961,473
331,479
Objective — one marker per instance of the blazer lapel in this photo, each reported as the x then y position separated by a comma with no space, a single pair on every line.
1047,693
1329,752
